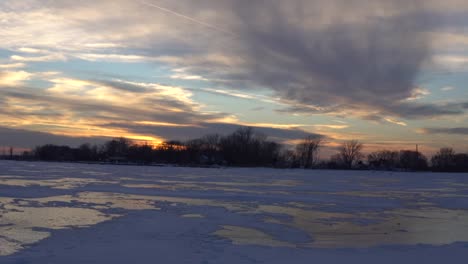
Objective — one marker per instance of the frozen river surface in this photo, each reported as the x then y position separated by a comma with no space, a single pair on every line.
78,213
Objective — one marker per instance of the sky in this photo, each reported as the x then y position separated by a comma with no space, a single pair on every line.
389,73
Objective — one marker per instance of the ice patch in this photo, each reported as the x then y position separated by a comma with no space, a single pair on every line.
18,224
193,216
61,184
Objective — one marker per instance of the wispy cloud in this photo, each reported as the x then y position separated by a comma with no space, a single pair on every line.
418,93
447,88
396,122
112,57
51,57
12,65
446,130
330,126
451,62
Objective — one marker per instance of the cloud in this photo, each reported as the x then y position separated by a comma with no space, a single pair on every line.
451,62
342,126
50,57
396,122
112,57
350,55
124,86
32,50
92,107
13,78
21,138
203,128
371,63
418,93
429,110
449,131
447,88
12,66
77,107
342,58
182,75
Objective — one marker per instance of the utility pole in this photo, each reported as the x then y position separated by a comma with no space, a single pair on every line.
11,153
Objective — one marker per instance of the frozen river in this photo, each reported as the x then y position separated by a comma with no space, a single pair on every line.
78,213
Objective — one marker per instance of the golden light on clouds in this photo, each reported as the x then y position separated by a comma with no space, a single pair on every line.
13,78
164,124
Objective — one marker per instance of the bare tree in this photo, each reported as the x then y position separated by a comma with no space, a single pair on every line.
307,151
412,160
211,143
444,159
350,153
384,159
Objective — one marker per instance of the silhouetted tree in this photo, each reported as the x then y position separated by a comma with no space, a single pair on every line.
307,151
384,159
237,147
350,153
447,160
444,160
171,152
336,162
86,152
141,153
194,150
54,153
117,149
413,160
461,162
211,148
247,148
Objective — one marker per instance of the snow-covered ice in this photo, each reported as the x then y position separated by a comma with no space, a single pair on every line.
79,213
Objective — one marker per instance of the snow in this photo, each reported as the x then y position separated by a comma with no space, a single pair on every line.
80,213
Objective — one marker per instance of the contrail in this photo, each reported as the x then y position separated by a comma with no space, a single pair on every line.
188,18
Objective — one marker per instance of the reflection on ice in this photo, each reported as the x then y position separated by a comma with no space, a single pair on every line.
433,226
8,247
104,200
52,217
17,224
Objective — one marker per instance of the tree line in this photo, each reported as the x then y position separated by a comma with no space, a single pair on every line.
244,147
249,148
